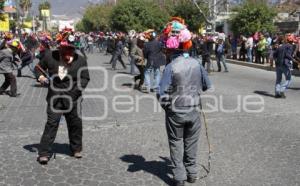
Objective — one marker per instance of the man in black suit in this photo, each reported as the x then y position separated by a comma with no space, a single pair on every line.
67,76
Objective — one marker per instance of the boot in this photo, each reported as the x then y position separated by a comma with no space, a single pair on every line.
19,73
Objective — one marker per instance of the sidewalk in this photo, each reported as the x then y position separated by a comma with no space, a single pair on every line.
258,66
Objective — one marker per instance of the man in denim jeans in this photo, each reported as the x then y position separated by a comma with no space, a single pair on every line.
283,56
220,55
249,47
155,58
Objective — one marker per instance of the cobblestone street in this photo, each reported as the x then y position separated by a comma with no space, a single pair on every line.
130,149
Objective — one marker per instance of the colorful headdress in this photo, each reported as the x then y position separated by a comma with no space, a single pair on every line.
8,35
177,35
66,38
16,44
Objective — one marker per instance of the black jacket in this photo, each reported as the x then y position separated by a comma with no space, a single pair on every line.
153,54
73,84
283,55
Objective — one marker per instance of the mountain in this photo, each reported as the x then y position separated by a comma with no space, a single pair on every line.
70,8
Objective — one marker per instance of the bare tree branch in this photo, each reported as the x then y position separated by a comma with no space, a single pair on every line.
202,13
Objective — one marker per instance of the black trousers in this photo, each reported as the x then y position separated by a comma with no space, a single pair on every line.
141,76
206,60
83,52
74,124
10,80
260,57
114,59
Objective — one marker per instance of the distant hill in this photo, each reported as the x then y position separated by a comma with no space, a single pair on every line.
71,8
288,5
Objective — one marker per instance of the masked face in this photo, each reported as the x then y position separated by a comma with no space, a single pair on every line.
67,54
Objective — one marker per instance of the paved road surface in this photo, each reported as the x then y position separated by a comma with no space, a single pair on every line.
131,148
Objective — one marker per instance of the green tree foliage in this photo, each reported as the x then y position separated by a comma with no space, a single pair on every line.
79,26
1,9
187,10
139,15
96,17
253,16
45,5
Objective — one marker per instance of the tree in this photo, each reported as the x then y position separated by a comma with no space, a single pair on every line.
96,17
25,5
138,15
79,26
2,9
253,16
187,10
45,5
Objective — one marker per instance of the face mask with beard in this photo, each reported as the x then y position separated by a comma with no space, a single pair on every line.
67,54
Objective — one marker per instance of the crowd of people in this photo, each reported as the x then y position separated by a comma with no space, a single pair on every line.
259,47
187,58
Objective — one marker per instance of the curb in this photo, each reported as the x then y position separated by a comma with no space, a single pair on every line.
258,66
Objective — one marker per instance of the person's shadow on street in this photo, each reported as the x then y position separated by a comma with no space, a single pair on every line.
161,169
56,148
264,93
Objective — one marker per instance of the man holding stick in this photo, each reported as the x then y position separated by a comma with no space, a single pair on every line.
179,93
67,74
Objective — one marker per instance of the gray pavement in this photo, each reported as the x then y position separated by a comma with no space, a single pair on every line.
131,148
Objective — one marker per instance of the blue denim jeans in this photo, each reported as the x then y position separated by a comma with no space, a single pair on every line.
156,77
221,59
281,87
249,55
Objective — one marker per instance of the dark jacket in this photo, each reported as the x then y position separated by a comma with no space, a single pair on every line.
283,55
206,47
153,54
119,47
111,45
73,84
7,61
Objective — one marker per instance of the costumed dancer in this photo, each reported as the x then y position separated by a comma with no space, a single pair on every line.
8,63
68,76
117,56
137,56
179,94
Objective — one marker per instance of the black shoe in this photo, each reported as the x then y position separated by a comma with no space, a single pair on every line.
277,96
178,183
19,73
282,95
13,95
192,179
